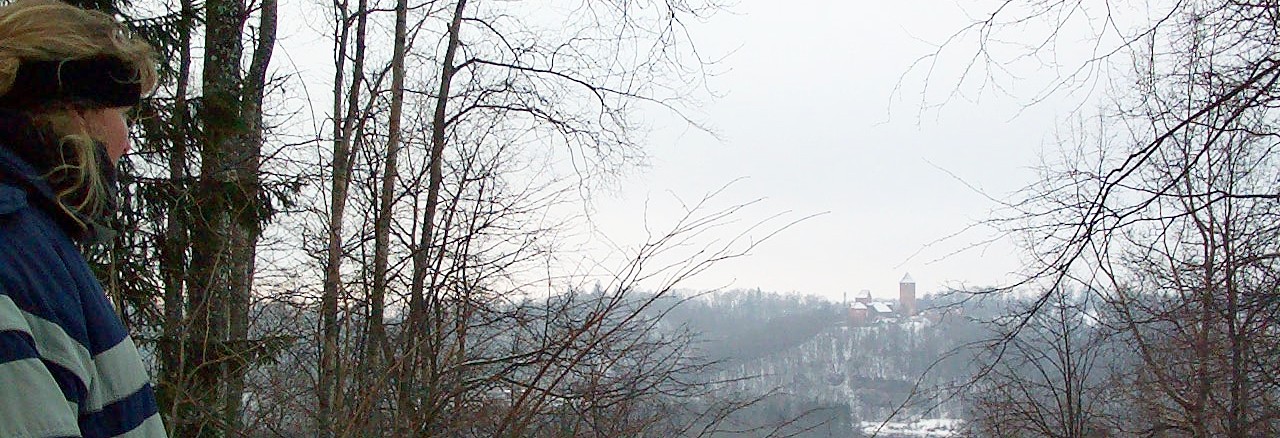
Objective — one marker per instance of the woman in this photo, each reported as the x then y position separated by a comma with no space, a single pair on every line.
67,367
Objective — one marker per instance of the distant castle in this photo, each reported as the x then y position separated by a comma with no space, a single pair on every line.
864,310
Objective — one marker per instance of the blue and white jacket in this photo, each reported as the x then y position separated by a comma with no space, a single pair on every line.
67,366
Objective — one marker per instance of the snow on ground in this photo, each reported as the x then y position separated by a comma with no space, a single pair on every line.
933,427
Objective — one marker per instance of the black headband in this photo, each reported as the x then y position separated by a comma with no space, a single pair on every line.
103,81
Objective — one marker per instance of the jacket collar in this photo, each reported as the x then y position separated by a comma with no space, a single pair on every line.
22,148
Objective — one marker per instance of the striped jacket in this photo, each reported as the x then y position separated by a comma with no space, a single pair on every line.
67,366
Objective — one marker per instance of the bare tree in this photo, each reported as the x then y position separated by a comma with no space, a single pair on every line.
346,123
1164,209
228,219
1052,379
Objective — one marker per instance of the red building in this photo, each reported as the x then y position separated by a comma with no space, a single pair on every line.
907,296
858,314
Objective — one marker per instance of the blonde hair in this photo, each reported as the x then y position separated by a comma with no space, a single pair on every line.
49,30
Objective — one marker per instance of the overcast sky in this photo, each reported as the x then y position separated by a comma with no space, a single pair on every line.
810,122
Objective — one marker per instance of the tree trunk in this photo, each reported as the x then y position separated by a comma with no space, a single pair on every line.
376,351
251,214
344,128
173,246
217,295
417,302
326,391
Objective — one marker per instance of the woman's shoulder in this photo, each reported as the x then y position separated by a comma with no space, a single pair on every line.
12,199
26,233
41,270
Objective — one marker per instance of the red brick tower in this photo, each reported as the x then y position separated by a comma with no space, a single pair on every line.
907,296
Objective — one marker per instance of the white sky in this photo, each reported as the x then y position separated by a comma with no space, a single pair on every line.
808,122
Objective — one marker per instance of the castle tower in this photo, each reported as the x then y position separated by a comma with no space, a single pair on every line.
907,296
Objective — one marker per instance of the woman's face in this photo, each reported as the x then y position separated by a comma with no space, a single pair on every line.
109,126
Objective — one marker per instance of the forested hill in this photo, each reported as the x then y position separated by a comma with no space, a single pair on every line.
748,324
806,349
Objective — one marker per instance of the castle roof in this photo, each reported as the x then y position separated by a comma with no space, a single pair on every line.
907,279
